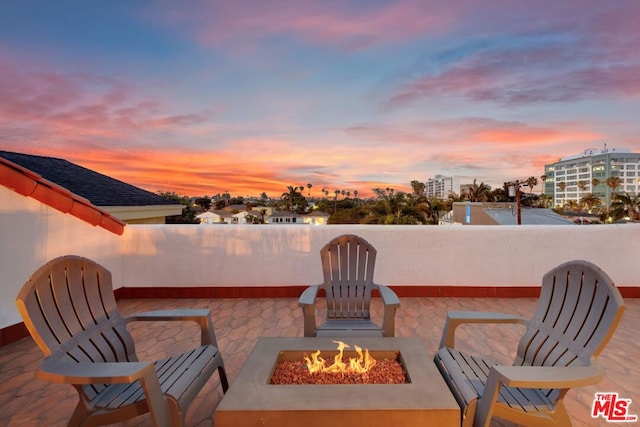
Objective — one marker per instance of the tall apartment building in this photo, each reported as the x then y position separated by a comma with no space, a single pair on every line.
570,178
441,186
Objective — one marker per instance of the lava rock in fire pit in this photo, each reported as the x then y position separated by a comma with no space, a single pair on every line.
385,371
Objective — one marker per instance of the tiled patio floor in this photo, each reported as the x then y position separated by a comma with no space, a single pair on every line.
27,401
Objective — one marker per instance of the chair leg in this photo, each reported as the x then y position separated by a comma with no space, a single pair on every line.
487,402
79,415
560,415
176,416
223,378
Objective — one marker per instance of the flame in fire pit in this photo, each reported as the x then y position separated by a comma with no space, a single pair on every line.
359,365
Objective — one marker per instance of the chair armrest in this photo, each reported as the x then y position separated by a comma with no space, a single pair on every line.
547,376
307,301
111,373
202,316
457,318
544,377
93,373
308,296
389,298
391,303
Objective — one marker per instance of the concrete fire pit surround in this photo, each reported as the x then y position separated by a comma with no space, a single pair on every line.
252,401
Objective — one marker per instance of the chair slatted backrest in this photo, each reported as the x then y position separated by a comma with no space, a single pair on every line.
578,311
348,263
70,310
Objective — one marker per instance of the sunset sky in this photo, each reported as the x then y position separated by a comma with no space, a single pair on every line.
202,97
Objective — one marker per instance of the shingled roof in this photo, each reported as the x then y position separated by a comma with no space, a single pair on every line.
99,189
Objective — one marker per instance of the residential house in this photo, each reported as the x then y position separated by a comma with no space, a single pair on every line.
286,217
217,216
316,218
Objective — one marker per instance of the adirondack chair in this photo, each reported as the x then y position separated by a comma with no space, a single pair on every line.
69,308
348,262
577,313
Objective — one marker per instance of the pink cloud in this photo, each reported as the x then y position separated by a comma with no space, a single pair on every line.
547,52
62,105
329,23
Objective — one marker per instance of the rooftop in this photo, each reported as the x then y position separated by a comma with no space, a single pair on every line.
239,322
99,189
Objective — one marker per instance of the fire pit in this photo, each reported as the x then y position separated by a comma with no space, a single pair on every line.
339,367
424,399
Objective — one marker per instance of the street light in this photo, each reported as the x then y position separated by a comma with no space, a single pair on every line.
514,191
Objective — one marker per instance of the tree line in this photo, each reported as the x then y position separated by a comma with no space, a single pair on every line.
389,206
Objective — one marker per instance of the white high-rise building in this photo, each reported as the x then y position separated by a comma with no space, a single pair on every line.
442,186
570,178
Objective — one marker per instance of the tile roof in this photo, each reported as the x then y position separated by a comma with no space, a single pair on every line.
30,184
100,189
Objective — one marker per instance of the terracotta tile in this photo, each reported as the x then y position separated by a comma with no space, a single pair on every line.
239,322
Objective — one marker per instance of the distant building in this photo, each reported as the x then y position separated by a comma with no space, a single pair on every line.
502,213
223,216
570,178
316,218
286,217
240,217
441,186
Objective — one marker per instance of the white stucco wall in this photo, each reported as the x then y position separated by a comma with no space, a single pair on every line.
32,233
254,255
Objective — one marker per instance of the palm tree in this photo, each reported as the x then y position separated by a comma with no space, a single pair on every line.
594,183
418,187
309,187
562,186
532,181
293,200
573,205
500,194
582,185
625,205
545,200
590,200
478,192
544,181
398,208
436,205
416,209
614,182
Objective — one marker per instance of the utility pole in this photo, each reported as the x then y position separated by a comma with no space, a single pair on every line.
514,191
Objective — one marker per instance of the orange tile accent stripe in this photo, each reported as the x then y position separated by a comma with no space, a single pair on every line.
30,184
